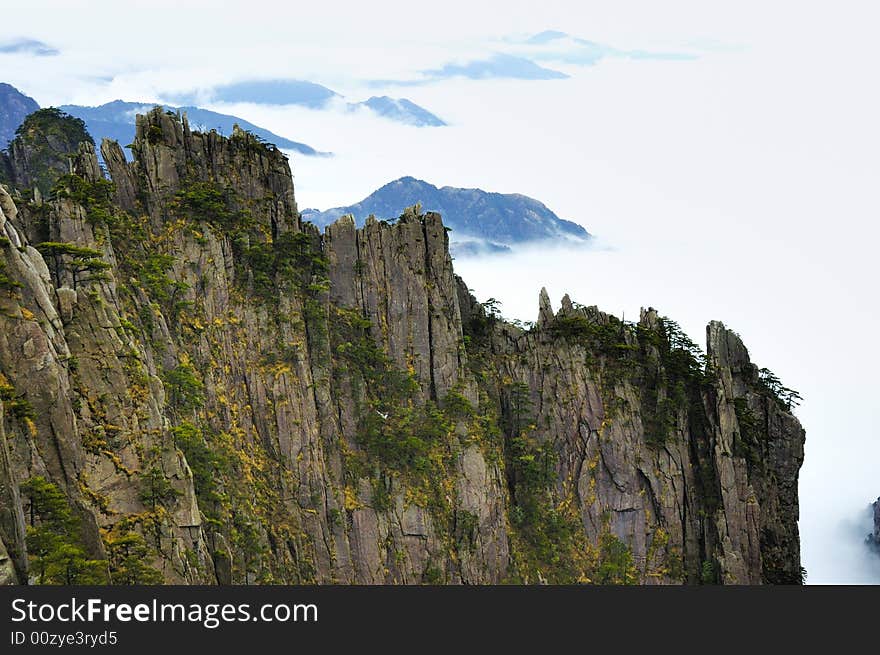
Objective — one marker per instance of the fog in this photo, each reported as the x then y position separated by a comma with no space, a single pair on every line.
739,186
714,194
791,335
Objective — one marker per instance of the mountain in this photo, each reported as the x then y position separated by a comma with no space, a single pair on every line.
402,111
274,92
14,106
42,149
501,66
312,96
25,45
198,387
116,120
474,216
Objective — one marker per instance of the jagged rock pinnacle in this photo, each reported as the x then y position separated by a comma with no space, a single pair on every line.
545,309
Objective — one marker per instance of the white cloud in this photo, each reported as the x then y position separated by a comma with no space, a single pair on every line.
740,186
729,190
26,46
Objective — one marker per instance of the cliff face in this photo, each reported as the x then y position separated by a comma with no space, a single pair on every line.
874,536
195,379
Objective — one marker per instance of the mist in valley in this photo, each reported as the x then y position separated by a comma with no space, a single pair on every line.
737,185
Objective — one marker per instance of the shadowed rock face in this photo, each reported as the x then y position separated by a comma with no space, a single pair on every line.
874,537
877,520
42,150
257,401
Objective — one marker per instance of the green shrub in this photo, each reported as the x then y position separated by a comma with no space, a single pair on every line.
75,259
208,201
207,465
6,282
433,575
96,197
747,443
154,134
616,565
128,553
156,490
186,391
771,386
467,525
53,538
402,438
15,404
709,572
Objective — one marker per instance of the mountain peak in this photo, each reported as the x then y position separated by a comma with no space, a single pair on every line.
472,214
116,120
402,111
409,179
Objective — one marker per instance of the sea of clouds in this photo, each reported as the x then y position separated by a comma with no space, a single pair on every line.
739,185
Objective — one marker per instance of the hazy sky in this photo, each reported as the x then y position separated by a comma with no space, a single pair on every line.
739,185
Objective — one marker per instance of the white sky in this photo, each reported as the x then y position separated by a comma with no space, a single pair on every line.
740,186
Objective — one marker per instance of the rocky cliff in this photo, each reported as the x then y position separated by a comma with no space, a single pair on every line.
197,386
116,120
873,538
41,152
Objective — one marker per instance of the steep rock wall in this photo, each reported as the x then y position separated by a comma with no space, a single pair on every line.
247,399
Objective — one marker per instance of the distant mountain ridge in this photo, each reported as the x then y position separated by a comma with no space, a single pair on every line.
402,111
269,92
14,106
312,96
115,120
479,220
